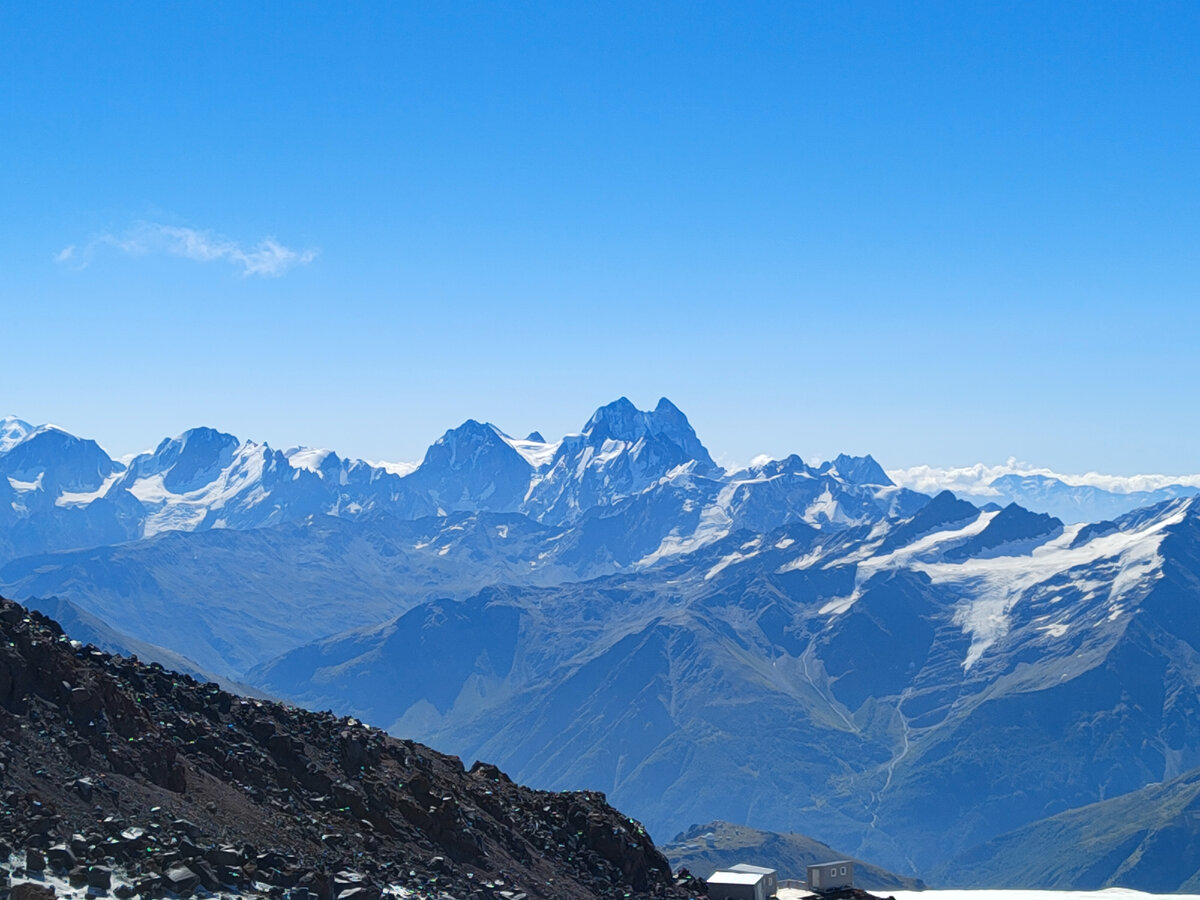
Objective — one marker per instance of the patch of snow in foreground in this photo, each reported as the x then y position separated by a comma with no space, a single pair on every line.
1107,894
64,890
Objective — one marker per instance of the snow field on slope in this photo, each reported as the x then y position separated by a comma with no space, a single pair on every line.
999,581
64,890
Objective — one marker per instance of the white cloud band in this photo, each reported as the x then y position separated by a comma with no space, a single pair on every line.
976,480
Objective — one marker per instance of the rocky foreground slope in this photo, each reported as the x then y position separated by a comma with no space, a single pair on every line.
137,780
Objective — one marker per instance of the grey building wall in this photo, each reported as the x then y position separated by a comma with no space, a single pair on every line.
770,876
831,875
736,892
719,890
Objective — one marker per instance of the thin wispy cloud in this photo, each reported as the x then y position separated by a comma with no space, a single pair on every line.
267,258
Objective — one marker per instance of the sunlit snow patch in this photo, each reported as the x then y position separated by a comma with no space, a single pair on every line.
83,498
12,432
998,583
307,458
715,523
748,550
538,454
394,468
169,511
930,545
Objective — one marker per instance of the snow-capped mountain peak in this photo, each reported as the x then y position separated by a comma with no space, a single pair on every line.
619,419
57,461
473,466
186,463
310,459
621,452
12,432
859,469
622,421
464,443
645,467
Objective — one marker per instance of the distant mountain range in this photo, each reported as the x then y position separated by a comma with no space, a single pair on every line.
804,648
58,491
266,550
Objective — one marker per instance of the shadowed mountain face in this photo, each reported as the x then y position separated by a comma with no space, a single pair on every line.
472,467
1011,531
55,460
186,463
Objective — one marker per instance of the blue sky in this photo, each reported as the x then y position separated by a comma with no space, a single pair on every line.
939,232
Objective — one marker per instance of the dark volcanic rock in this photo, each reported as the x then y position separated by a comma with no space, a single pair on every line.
181,880
183,787
61,857
99,877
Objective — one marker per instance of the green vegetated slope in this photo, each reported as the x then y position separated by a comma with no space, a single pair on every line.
1148,839
703,849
